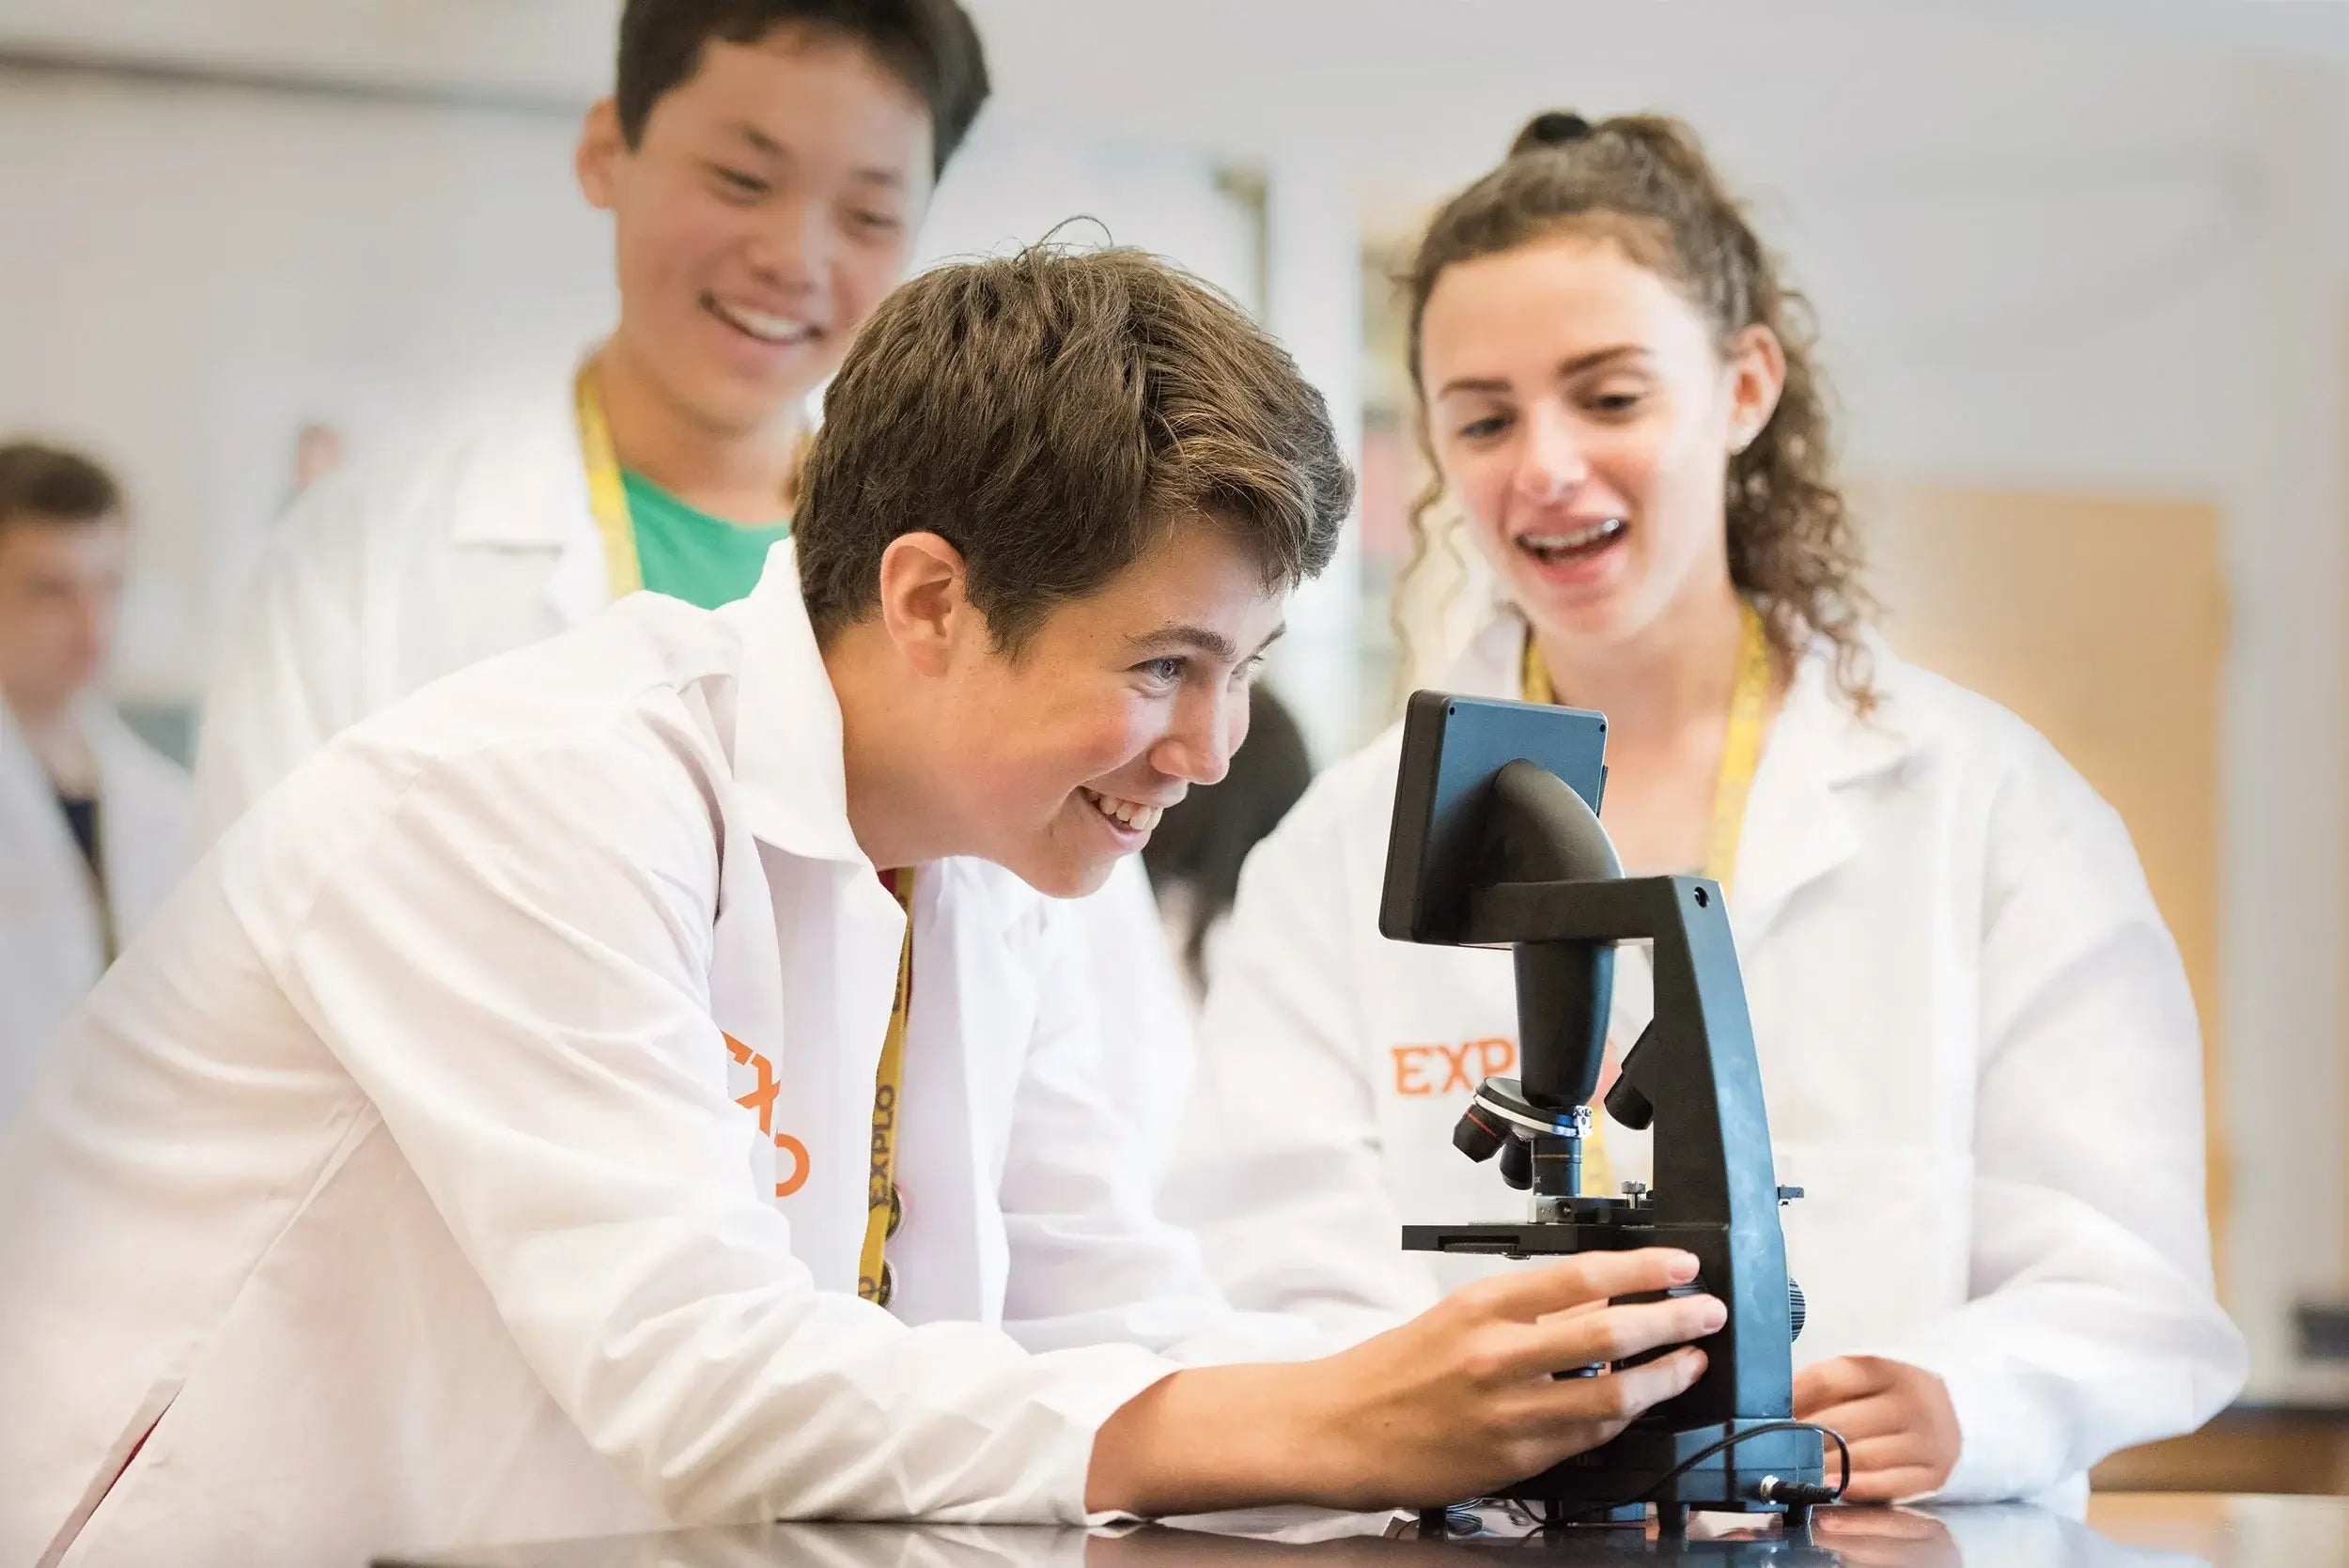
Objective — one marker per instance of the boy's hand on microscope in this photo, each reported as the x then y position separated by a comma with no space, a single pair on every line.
1454,1404
1897,1418
1462,1400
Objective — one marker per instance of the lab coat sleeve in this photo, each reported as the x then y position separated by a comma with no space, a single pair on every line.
512,966
288,674
1279,1165
2092,1323
1090,1259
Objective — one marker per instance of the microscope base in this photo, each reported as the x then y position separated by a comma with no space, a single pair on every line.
1730,1481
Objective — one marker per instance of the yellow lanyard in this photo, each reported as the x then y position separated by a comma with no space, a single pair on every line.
607,497
884,1208
1741,749
1741,754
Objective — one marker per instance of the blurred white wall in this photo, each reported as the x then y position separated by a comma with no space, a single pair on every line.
193,272
2097,245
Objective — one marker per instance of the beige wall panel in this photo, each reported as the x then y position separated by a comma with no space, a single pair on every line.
2103,622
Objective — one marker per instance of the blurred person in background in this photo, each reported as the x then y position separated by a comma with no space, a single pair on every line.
1195,855
318,451
1981,1056
95,825
765,163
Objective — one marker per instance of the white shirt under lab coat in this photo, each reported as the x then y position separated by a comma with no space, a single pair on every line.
53,937
478,540
406,1169
1978,1051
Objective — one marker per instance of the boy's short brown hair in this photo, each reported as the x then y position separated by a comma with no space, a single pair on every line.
54,485
930,45
1051,415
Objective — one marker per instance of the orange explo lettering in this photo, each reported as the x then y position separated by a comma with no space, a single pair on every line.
788,1145
761,1099
1424,1070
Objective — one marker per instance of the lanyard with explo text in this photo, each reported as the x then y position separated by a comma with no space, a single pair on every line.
885,1208
1741,755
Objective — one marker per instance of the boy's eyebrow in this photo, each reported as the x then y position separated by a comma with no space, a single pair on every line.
1194,639
766,147
759,139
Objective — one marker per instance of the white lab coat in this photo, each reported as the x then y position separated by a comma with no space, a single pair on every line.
479,540
52,938
1979,1050
403,1171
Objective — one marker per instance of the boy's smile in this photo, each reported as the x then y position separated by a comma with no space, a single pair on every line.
769,207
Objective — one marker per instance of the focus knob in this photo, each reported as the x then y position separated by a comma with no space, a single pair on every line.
1796,1309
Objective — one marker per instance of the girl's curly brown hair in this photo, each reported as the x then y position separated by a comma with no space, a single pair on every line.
1643,181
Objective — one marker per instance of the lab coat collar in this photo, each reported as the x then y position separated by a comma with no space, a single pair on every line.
27,796
142,801
115,751
1802,823
789,759
1800,820
1493,662
525,485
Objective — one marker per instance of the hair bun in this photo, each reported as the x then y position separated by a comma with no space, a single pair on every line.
1550,128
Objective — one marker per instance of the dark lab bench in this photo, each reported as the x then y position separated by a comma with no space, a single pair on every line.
2153,1530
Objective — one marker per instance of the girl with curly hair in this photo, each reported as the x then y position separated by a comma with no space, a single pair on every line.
1977,1044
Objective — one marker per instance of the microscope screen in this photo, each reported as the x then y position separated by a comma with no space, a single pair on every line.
1452,748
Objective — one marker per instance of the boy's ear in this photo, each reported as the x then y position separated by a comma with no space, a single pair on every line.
925,603
597,155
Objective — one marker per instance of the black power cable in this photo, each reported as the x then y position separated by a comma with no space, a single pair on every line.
1799,1493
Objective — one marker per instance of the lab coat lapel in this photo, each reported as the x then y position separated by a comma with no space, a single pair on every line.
808,937
532,493
746,1004
43,870
973,1013
145,820
835,982
1800,823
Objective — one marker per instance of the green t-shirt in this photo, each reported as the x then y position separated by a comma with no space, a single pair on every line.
686,553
